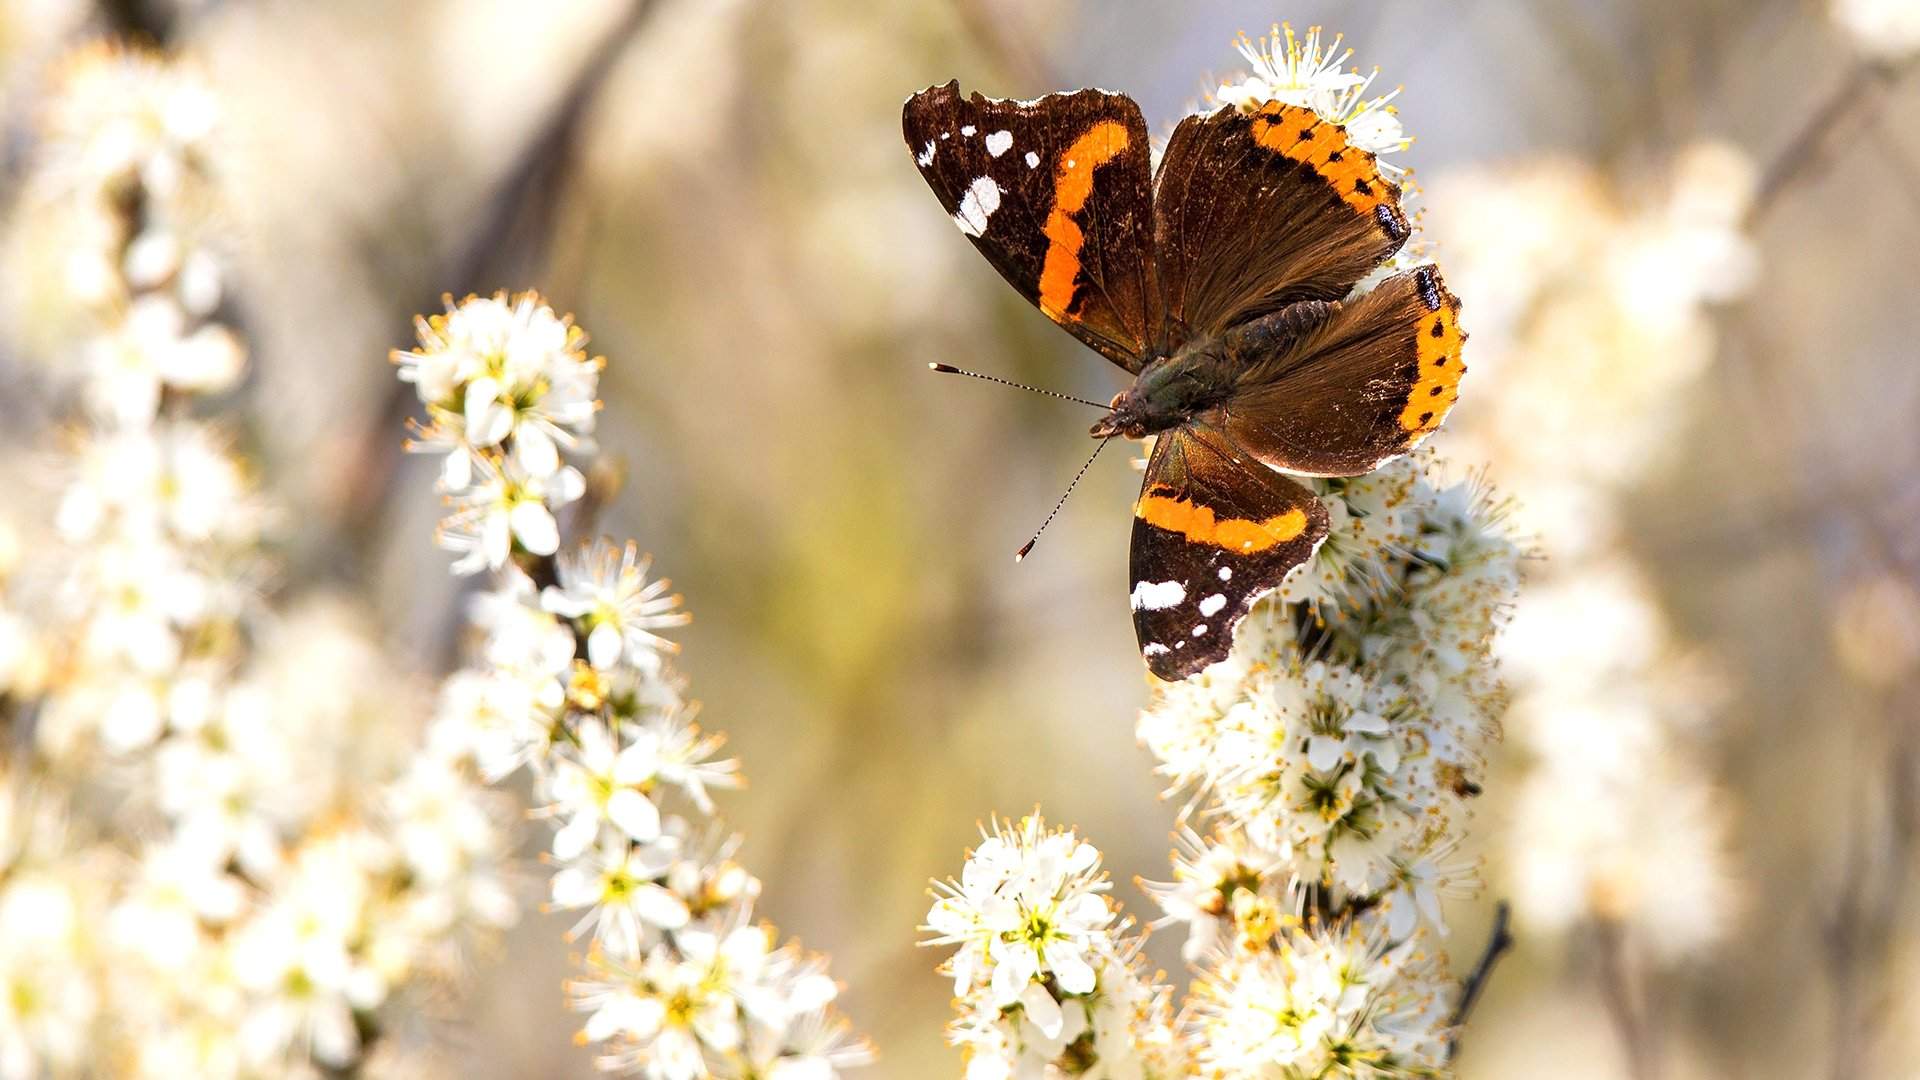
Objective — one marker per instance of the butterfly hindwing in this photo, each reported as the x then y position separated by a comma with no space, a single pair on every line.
1254,211
1213,531
1338,389
1057,194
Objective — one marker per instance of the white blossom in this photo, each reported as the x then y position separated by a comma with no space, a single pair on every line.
505,506
1887,31
621,887
1326,1001
596,783
1041,964
605,590
506,371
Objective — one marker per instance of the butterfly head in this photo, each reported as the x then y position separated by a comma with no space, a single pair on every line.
1125,419
1168,392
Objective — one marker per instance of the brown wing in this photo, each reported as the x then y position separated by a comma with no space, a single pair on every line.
1253,212
1057,194
1213,532
1361,381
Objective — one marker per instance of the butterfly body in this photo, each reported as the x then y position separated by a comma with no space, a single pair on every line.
1169,392
1207,373
1226,284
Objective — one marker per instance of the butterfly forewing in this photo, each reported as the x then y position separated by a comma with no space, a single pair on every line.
1057,194
1255,211
1213,531
1364,382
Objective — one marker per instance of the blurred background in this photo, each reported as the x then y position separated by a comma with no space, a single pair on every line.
1683,234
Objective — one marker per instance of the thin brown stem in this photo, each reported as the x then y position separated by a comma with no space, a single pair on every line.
1860,931
1899,161
1624,995
146,20
1499,942
1856,100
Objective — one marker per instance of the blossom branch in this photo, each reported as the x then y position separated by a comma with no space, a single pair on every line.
571,681
270,897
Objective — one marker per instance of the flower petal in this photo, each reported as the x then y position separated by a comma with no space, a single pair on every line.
634,813
535,527
533,448
603,646
1042,1011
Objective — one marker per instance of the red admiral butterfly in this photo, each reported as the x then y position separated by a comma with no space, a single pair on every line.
1225,285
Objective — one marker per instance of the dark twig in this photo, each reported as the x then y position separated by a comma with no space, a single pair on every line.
1499,941
1857,98
1899,161
151,20
1859,933
1620,988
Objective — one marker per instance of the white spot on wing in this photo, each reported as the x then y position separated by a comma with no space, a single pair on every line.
999,143
1213,603
1156,596
967,132
1153,648
977,205
1199,630
926,154
1033,160
1226,573
945,135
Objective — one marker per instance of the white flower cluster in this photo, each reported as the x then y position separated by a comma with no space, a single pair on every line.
252,878
1303,72
120,237
508,386
1594,301
1046,976
1593,313
50,901
569,680
1333,757
1336,1001
1340,741
157,514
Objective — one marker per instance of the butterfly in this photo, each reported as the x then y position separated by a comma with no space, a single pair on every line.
1224,283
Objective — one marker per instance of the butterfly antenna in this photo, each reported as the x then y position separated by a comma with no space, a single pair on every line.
951,370
1028,546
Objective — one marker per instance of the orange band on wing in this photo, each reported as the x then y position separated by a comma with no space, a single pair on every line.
1300,134
1438,342
1198,524
1072,186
